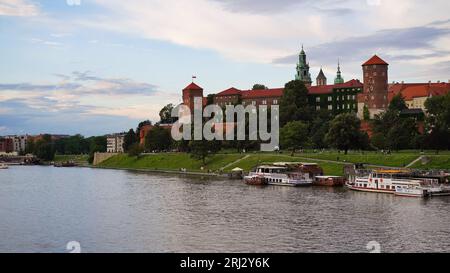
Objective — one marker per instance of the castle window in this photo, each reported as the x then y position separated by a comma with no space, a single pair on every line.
374,73
330,98
330,107
318,99
253,102
275,101
264,102
317,108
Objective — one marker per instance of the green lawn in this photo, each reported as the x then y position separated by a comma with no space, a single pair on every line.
256,159
393,160
80,159
170,161
439,162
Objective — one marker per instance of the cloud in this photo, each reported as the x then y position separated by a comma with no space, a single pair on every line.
18,8
84,83
397,41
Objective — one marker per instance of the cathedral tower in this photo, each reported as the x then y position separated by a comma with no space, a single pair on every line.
303,69
339,79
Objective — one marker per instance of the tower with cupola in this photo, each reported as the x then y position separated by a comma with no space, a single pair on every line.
339,79
303,69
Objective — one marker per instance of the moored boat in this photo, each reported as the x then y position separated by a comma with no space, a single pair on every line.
278,175
412,192
329,181
3,166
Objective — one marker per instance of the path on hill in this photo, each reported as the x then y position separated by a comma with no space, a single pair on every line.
415,161
235,162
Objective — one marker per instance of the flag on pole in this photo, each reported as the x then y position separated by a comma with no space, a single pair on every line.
194,77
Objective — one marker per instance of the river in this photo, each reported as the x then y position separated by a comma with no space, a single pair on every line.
44,208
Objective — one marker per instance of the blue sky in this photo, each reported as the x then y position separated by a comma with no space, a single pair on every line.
101,66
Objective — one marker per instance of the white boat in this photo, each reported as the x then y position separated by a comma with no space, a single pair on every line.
398,182
412,192
3,166
280,176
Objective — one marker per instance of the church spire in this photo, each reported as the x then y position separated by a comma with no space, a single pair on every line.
321,79
303,69
339,78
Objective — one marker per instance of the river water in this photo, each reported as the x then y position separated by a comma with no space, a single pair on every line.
44,208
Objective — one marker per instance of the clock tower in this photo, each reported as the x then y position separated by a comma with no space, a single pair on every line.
375,94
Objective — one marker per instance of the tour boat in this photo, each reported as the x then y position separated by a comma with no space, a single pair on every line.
3,166
278,176
412,192
398,182
329,181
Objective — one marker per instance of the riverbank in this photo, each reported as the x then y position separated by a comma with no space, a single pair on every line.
221,164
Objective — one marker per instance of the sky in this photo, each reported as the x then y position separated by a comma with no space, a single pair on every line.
94,67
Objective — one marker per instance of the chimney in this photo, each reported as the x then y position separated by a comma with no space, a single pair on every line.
403,82
439,81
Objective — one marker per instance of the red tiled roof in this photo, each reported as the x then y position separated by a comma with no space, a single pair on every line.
375,60
229,92
277,92
193,86
328,89
410,91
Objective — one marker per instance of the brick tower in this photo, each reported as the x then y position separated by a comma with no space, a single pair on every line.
191,92
375,94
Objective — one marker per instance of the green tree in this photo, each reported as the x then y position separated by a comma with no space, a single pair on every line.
44,148
166,114
201,149
398,103
294,105
130,139
366,113
345,132
135,150
259,87
96,145
158,139
294,135
438,122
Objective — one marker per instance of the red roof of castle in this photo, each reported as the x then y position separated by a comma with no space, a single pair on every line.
276,92
229,92
410,91
193,86
375,60
327,89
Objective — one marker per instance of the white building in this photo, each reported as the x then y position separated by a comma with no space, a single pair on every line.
19,143
115,143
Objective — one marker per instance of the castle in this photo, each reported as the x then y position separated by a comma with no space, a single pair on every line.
375,93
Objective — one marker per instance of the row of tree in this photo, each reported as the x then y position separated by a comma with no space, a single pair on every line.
46,147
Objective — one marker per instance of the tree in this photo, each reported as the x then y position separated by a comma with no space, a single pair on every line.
201,149
96,145
259,87
438,122
158,139
402,135
366,113
135,150
294,105
44,148
166,114
345,132
398,103
294,135
130,139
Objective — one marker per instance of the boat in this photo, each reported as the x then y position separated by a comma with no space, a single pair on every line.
67,164
412,192
278,175
3,166
329,181
397,182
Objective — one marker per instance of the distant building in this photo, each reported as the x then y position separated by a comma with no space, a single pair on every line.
114,143
6,145
19,143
